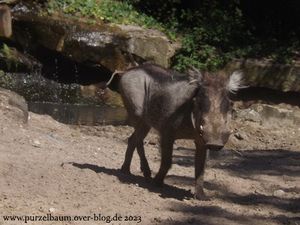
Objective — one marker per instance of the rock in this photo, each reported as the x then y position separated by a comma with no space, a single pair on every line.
238,136
9,2
5,21
264,73
248,115
15,104
101,94
108,45
36,143
52,210
281,115
148,44
279,193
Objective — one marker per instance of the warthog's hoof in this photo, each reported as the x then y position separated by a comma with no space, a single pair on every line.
200,195
147,173
125,170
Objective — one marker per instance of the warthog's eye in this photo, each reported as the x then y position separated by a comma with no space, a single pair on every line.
203,104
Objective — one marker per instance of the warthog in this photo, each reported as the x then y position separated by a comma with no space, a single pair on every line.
179,107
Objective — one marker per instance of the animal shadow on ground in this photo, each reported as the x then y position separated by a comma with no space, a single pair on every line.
281,163
167,191
215,215
247,164
253,165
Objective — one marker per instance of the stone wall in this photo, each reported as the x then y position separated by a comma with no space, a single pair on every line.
266,74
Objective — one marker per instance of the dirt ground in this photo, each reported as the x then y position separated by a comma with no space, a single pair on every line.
48,169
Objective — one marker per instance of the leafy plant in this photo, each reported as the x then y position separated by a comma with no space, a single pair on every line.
212,32
105,10
7,55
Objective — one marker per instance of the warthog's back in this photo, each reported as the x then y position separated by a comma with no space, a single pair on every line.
154,94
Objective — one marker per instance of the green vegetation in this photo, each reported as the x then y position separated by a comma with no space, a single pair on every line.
7,57
105,10
212,32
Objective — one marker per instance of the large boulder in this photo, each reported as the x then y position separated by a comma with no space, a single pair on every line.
266,74
270,115
104,44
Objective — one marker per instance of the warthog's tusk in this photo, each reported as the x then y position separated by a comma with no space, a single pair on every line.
193,120
194,123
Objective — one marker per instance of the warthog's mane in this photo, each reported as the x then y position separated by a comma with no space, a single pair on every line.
213,80
161,74
221,80
216,81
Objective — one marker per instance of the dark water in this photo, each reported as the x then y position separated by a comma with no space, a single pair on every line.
81,114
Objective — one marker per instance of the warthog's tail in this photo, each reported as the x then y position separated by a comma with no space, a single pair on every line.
112,76
120,72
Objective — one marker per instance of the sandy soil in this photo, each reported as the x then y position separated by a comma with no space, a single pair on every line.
50,168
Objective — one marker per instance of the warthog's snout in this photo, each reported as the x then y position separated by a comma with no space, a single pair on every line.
214,147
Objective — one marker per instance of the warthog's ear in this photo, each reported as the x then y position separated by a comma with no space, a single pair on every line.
235,82
194,75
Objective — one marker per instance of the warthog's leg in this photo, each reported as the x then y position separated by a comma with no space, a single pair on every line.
166,144
141,151
129,153
136,140
200,158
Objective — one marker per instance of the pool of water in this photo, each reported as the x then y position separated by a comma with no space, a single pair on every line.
77,114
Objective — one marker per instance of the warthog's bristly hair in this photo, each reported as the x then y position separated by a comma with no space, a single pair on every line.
195,76
235,82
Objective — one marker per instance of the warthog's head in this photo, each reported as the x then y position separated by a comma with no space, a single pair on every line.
212,109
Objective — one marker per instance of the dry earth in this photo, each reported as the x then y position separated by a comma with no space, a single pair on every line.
50,168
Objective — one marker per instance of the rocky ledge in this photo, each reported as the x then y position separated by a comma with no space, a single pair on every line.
108,45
